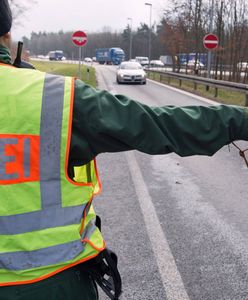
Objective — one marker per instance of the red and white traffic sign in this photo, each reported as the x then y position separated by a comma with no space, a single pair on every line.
210,41
79,38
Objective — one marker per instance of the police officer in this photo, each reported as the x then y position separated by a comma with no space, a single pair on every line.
52,129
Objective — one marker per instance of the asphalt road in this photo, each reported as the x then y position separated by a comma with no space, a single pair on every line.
178,225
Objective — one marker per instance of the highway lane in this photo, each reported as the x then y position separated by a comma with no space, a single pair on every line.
198,207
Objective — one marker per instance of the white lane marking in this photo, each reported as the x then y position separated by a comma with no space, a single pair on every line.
111,89
104,83
170,275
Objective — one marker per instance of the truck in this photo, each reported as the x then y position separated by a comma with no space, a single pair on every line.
56,55
114,55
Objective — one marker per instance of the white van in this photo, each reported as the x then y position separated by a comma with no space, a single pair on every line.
143,60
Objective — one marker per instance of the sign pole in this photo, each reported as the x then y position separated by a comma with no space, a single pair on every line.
209,64
79,61
210,42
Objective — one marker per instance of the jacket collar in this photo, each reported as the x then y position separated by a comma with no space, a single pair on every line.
5,55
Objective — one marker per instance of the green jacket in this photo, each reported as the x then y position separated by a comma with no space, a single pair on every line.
106,123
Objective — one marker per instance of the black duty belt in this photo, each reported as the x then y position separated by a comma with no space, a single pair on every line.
103,269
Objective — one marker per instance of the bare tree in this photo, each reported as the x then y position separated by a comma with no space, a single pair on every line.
236,40
19,8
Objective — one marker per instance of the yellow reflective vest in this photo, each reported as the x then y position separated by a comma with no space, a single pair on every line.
47,222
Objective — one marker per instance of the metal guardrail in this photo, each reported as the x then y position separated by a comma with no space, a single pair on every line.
217,84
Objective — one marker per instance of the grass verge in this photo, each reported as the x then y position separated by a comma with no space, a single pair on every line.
67,69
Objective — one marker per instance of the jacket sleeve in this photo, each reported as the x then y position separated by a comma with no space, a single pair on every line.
103,122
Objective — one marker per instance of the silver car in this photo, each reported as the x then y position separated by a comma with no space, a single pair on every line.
130,72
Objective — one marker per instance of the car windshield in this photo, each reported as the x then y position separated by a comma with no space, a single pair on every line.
130,66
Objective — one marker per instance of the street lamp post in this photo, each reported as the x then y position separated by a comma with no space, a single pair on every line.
130,44
210,31
209,61
150,32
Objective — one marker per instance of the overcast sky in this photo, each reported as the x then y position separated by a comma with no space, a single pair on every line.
86,15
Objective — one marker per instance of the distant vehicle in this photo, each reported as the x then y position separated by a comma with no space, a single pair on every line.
56,55
143,60
192,64
40,56
166,60
130,72
156,63
243,66
113,55
88,59
186,57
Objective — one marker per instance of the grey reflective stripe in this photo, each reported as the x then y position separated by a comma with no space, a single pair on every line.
6,158
50,140
38,220
51,255
90,228
52,214
48,256
27,157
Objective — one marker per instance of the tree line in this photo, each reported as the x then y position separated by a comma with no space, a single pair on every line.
180,30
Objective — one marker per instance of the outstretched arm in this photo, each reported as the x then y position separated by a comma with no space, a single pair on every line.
106,123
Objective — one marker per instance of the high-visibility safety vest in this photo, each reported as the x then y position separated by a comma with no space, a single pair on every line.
47,223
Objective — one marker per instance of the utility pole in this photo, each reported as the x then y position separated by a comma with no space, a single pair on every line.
150,32
130,43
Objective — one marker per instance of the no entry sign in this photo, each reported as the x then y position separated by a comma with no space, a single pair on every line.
210,41
79,38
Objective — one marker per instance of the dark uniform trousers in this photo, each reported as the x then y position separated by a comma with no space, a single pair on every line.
71,284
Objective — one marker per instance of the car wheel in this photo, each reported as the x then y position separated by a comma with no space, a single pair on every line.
117,80
144,82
